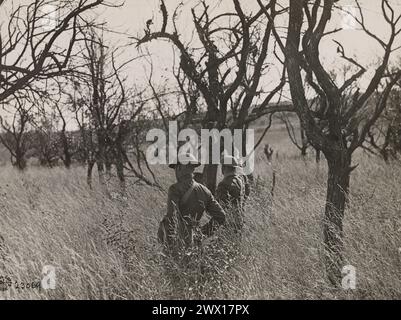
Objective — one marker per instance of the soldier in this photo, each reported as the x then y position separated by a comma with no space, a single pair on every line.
187,202
198,177
232,191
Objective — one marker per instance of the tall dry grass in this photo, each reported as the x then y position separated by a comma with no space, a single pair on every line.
105,247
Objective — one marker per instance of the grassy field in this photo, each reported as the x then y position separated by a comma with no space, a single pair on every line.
105,247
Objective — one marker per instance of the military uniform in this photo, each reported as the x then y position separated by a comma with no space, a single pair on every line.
232,191
187,202
180,231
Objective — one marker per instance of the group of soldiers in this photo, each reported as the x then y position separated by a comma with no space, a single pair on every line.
189,200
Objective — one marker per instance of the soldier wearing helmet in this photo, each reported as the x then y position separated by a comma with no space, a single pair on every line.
187,202
232,191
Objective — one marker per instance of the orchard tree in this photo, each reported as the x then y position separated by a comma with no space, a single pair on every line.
107,110
16,126
37,42
347,118
226,63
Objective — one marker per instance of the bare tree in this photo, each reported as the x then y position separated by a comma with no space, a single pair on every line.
45,140
15,126
60,110
383,138
87,147
106,109
347,118
37,42
296,133
225,64
31,50
64,139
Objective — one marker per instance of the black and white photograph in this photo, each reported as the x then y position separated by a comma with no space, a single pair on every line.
200,150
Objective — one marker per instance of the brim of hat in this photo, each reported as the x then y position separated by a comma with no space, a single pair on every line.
231,165
173,165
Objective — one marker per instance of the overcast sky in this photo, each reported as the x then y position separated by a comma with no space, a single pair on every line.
132,16
131,19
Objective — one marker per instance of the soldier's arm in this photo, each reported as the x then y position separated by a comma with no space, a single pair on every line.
216,212
222,193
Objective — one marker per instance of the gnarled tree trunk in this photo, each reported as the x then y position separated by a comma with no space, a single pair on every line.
20,161
337,193
120,169
210,175
91,164
67,158
318,155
